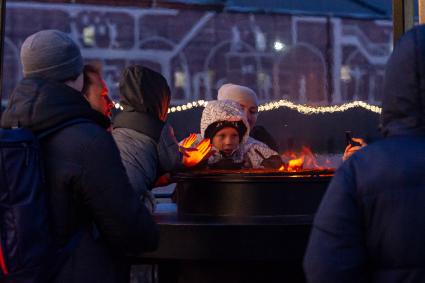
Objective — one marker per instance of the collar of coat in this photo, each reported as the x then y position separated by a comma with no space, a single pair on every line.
140,122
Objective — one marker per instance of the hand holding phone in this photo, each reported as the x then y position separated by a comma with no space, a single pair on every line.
349,139
353,145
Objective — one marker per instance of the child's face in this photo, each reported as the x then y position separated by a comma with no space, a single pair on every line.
226,140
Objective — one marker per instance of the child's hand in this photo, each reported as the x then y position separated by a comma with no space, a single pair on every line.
197,154
185,147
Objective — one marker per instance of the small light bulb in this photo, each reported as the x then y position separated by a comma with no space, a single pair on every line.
279,46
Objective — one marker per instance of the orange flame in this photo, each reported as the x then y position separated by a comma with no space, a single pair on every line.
297,162
295,165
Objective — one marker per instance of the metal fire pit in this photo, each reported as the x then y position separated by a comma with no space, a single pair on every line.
237,226
250,193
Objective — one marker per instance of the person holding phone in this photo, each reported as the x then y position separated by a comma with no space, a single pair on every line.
353,145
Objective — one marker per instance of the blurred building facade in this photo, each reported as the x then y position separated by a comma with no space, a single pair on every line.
316,52
323,53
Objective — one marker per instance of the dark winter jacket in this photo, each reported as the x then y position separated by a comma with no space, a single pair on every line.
88,187
370,226
146,143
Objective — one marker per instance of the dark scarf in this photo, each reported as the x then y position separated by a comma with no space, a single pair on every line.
140,122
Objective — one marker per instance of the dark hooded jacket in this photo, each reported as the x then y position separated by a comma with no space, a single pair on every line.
146,143
88,187
370,226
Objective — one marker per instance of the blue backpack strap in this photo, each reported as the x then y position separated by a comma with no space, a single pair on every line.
61,126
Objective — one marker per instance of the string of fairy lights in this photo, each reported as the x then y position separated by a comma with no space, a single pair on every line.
304,109
273,105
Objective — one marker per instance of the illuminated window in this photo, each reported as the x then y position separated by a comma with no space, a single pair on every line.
345,74
179,79
89,33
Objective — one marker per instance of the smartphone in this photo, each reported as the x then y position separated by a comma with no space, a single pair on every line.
349,139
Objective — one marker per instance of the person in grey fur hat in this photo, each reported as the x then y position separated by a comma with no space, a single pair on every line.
88,188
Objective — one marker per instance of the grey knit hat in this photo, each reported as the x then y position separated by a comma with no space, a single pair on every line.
51,54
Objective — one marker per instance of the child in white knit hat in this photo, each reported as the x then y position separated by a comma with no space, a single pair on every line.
225,124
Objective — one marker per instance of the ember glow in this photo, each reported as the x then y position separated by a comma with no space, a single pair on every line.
304,160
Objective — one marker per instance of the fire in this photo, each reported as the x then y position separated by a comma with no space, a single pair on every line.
297,162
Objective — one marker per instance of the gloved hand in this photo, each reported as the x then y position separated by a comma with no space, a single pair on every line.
188,142
192,156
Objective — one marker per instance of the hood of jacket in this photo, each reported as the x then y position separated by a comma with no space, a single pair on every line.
403,107
39,104
223,110
144,91
145,96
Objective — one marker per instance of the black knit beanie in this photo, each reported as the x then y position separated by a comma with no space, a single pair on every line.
215,127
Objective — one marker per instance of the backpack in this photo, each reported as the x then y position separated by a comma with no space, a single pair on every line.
28,252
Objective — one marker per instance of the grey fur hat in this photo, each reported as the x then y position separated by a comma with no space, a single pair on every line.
51,54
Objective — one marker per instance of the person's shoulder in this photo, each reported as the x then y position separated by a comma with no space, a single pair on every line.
130,137
381,147
252,144
261,134
75,143
373,158
253,141
86,130
123,133
83,136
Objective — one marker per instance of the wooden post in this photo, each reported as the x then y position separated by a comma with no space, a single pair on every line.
421,9
402,17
